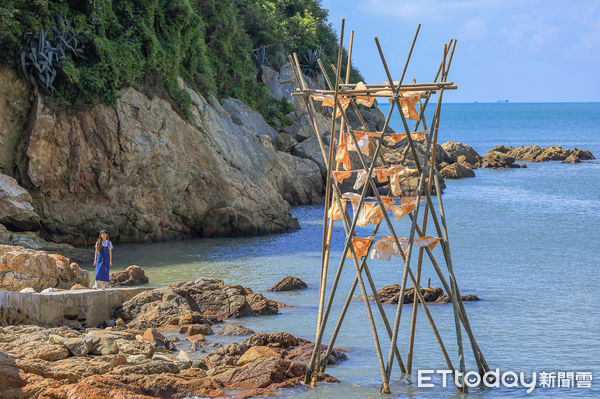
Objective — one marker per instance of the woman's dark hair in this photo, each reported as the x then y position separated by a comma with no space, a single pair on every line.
99,242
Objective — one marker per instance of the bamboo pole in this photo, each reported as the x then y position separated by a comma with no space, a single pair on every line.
326,227
329,226
413,322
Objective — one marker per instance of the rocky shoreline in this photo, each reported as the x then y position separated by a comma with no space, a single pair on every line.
159,344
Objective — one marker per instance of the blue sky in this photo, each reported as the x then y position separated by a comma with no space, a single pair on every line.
523,51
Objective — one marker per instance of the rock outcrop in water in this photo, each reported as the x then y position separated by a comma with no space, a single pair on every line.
289,283
133,275
203,301
22,268
501,156
62,363
391,293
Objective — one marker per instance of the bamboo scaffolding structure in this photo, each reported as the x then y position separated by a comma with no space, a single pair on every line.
376,296
397,243
394,91
412,277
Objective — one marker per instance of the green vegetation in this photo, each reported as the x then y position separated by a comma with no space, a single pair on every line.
216,46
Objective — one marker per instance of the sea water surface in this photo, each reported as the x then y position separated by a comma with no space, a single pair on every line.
526,241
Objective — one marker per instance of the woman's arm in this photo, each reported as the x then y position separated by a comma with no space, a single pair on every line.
110,254
95,255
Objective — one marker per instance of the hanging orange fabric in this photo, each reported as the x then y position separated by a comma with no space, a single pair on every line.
370,213
395,138
361,178
361,246
342,156
407,204
367,101
385,199
335,213
329,102
363,141
341,175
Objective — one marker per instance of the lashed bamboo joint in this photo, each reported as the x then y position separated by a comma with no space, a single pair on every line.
411,100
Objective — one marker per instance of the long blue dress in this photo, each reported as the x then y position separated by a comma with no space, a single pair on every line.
103,262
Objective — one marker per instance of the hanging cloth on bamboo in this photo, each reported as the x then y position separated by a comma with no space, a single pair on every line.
362,139
386,247
335,213
408,103
421,242
394,138
395,173
367,101
341,175
382,249
341,154
407,204
361,246
370,213
329,102
361,178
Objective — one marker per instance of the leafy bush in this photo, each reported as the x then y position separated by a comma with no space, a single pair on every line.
149,43
41,61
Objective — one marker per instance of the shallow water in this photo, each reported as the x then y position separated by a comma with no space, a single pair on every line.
524,240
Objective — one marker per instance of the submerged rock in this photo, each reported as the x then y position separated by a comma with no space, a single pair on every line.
391,293
133,275
289,283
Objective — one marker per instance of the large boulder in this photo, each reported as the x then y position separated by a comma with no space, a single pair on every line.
32,240
15,104
497,159
21,268
203,301
456,171
462,153
133,275
15,206
143,172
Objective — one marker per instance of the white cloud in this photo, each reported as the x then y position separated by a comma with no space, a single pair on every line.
529,31
473,29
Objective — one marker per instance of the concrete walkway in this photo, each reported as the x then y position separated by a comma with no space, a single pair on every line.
74,308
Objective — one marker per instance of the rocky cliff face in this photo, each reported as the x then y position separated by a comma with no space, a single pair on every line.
142,172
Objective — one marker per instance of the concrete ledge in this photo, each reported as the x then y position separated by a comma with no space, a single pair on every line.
74,308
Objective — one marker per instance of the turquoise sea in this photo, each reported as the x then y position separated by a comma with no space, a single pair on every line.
526,241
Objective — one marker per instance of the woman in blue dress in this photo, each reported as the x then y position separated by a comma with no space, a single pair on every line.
103,260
